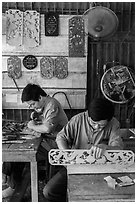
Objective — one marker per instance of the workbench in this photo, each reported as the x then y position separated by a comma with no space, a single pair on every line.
24,152
86,183
109,178
93,188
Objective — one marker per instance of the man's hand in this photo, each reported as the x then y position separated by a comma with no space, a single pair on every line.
31,124
98,151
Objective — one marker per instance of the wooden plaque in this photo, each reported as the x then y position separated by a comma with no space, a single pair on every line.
30,62
14,27
76,37
31,29
14,67
117,84
47,67
61,67
51,24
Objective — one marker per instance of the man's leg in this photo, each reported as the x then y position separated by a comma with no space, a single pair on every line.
13,171
42,155
56,189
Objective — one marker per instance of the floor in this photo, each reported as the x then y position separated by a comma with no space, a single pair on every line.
27,196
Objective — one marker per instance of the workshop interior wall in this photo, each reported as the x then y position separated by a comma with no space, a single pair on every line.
74,85
81,85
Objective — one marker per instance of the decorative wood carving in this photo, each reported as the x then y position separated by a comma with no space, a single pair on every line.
30,62
76,37
14,67
47,67
31,28
117,84
61,67
14,27
23,28
110,157
51,24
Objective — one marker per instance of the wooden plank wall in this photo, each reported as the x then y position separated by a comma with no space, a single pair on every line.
117,49
74,86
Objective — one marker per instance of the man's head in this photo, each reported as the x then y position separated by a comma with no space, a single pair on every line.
32,94
100,109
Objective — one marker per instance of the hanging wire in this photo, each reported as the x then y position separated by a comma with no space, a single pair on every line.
39,7
77,3
126,36
23,6
69,8
16,5
61,92
54,6
62,6
15,83
92,4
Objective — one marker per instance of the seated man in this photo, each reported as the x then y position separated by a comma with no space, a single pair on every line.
48,119
96,129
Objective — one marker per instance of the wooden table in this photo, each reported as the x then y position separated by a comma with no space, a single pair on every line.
24,152
86,186
86,174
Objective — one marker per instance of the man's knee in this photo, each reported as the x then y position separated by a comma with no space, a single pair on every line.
46,191
52,196
56,188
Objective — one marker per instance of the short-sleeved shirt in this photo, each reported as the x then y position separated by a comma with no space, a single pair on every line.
53,115
54,118
79,134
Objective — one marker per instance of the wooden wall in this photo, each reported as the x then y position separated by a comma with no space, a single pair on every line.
114,50
74,86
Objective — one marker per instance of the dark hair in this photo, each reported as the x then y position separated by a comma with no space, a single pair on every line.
101,109
32,92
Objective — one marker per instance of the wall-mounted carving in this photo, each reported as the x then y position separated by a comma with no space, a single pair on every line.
61,67
47,67
51,24
14,67
117,84
14,27
30,62
31,28
22,28
76,37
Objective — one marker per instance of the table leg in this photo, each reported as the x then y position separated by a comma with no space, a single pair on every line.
34,182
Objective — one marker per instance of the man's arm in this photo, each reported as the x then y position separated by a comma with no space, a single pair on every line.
115,142
48,123
41,128
98,150
64,138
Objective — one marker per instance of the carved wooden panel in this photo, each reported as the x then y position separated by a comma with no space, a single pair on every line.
14,67
14,27
51,24
23,28
117,84
47,67
31,28
61,67
110,157
30,62
76,37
